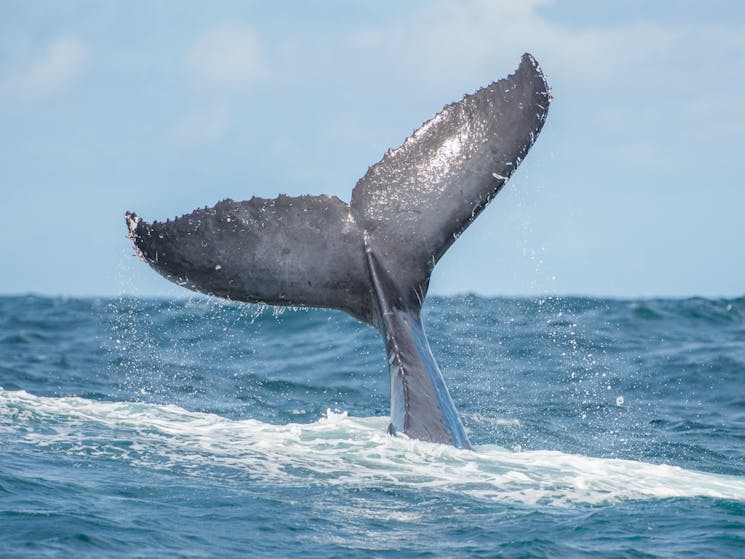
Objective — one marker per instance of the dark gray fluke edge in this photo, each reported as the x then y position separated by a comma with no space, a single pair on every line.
371,258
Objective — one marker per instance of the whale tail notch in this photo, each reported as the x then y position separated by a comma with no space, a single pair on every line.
373,257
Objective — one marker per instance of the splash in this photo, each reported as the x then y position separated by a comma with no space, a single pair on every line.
338,450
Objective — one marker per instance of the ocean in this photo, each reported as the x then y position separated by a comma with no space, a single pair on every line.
133,427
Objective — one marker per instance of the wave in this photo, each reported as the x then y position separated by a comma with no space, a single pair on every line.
338,449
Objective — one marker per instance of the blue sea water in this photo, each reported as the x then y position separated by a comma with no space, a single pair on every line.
195,428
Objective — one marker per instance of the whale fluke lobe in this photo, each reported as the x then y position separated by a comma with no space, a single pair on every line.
373,257
297,251
416,201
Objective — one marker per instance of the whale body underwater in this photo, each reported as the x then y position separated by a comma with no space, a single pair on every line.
373,257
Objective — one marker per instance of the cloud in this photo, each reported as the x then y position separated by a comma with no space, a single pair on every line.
446,41
202,126
227,57
57,65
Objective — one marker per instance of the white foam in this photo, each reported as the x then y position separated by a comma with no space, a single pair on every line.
338,449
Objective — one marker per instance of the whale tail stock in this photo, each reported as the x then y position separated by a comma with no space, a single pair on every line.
373,257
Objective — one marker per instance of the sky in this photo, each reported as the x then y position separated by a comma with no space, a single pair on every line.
633,189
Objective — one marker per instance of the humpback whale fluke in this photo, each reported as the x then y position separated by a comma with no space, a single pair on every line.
373,257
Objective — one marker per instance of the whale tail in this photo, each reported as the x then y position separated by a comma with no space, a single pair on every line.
373,257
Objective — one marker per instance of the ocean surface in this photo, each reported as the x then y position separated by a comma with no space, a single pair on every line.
195,428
